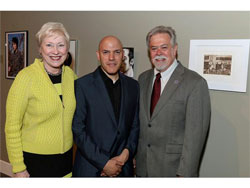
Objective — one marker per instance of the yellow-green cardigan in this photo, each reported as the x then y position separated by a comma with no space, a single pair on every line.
37,121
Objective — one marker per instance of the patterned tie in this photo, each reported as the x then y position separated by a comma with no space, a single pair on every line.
156,93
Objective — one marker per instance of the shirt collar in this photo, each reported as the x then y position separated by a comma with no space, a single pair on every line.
106,78
167,72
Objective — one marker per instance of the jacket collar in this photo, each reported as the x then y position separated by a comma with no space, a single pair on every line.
173,83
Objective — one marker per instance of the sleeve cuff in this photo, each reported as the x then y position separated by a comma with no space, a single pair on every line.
18,167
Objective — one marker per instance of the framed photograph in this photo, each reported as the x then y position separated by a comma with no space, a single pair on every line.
16,52
223,63
73,52
128,62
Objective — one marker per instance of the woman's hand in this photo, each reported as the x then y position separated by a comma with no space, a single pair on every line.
23,174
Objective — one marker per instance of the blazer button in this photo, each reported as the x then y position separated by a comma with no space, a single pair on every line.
149,125
118,132
149,145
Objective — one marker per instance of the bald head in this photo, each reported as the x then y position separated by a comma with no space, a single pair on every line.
110,55
109,40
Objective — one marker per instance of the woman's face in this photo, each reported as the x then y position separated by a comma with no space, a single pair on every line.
54,52
14,46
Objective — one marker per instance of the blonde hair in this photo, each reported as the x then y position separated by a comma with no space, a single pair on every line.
51,28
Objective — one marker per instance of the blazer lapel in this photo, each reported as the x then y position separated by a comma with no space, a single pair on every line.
147,92
169,89
103,93
123,99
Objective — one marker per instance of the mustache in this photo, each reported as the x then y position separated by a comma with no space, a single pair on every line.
160,57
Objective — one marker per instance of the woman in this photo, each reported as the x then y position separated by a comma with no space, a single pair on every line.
40,108
16,62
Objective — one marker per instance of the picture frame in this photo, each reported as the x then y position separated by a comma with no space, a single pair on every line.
74,54
127,66
223,63
16,52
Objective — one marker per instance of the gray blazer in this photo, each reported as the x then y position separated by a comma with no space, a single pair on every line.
172,140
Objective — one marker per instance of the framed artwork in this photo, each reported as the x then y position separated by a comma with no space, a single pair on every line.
223,63
16,52
128,62
73,52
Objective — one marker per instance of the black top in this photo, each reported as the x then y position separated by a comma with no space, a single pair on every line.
114,91
56,80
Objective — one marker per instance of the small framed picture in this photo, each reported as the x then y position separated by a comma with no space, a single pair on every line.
127,66
223,63
16,52
72,61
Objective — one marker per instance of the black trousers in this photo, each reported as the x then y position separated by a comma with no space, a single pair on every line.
57,165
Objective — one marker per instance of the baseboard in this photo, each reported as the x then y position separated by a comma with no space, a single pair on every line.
6,168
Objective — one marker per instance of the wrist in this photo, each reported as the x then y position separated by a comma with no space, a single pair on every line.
125,154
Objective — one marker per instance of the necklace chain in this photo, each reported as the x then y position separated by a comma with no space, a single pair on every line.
51,74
